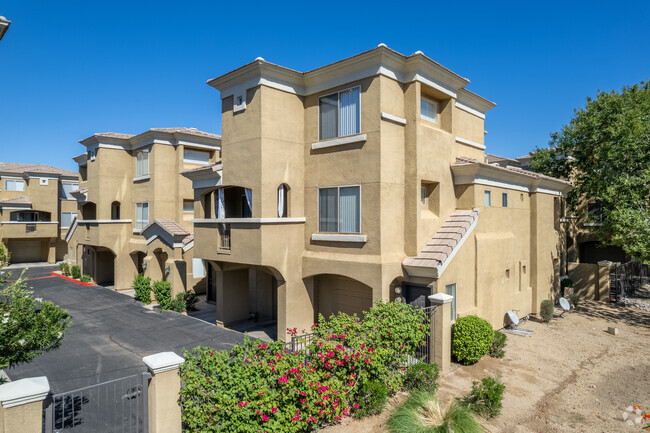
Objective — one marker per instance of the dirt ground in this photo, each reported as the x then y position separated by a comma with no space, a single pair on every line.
569,376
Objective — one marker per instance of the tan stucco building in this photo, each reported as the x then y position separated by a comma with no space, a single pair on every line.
36,210
366,179
135,208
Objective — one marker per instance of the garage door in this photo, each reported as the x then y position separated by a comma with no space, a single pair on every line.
23,251
351,296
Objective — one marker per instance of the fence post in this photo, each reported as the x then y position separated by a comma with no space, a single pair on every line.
441,330
164,410
21,405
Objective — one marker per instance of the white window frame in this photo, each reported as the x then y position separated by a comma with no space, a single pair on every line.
75,186
195,161
138,217
142,171
338,196
73,216
453,302
487,198
338,112
188,211
436,104
15,182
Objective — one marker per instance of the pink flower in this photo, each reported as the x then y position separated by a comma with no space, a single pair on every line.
274,410
261,346
265,418
243,403
283,379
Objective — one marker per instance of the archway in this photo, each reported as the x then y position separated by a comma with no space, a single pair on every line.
336,293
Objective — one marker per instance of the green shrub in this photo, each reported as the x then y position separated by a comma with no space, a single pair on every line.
546,310
162,291
61,265
76,272
497,350
371,399
65,269
5,256
486,397
85,278
422,377
178,304
422,413
472,338
190,301
574,298
142,287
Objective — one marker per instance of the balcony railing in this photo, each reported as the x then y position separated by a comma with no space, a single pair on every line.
224,237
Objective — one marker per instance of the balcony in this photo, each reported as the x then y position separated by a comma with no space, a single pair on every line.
253,241
30,229
100,232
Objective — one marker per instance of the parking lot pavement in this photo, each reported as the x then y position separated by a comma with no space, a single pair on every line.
110,334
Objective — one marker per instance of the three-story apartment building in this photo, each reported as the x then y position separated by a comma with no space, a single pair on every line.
135,208
362,180
36,210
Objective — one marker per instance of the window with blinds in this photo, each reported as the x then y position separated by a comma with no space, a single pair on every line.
192,156
142,163
14,185
340,114
339,209
141,215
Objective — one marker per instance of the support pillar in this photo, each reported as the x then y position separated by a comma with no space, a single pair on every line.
21,405
165,384
441,330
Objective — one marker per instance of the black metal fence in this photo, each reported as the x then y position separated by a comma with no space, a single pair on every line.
119,405
626,279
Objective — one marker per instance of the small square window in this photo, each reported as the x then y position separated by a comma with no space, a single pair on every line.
188,206
504,199
429,110
487,198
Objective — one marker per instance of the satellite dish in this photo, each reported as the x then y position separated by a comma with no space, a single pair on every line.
565,304
512,317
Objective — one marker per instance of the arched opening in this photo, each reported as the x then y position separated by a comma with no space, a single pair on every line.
283,200
89,211
99,263
228,202
138,260
115,210
161,258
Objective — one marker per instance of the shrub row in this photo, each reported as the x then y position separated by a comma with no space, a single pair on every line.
162,291
74,271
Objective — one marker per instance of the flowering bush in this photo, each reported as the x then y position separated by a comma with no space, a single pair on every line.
27,329
257,387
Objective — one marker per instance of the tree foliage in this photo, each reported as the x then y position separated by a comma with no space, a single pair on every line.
28,326
605,152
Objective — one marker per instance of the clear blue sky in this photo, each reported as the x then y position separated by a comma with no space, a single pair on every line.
70,68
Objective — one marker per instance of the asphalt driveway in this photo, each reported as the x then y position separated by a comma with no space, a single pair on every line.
110,334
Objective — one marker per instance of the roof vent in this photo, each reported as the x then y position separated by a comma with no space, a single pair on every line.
261,59
382,45
418,52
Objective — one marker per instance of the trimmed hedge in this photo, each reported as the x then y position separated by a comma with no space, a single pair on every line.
472,338
162,291
76,272
142,287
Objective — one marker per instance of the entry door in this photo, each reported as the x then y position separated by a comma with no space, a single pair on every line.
416,295
212,283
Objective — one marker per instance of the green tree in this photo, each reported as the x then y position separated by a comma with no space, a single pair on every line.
28,326
605,152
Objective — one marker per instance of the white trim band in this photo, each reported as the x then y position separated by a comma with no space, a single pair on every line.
249,220
470,143
337,237
29,222
395,119
470,110
339,141
24,391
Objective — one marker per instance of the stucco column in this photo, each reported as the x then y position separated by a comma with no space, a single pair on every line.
603,280
51,251
152,270
441,330
21,408
165,384
295,307
176,276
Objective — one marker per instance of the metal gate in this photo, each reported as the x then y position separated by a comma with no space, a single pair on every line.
119,405
425,353
627,278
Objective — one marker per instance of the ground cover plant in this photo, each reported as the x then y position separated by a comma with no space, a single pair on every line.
422,413
546,310
472,338
498,348
28,326
486,397
348,367
142,287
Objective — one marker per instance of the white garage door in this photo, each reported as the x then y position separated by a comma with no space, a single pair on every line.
23,251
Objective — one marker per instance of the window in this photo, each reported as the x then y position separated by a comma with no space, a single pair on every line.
429,110
141,215
198,271
282,201
67,188
450,289
192,156
423,195
188,206
504,199
142,163
67,218
339,209
14,185
115,210
487,198
340,114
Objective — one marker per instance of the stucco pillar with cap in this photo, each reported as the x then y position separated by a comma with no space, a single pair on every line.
21,405
164,410
441,330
